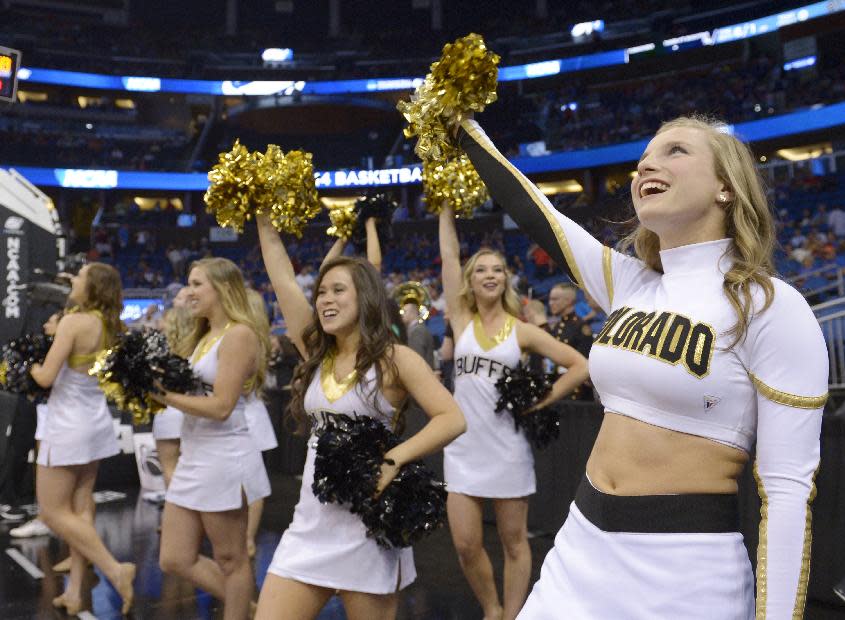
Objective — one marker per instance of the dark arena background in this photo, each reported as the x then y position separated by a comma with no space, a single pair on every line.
114,111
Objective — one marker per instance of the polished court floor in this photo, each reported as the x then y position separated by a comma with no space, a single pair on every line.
128,526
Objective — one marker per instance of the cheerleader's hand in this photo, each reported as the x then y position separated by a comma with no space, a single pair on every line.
540,404
389,469
159,394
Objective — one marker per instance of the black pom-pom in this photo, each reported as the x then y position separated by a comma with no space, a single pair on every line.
519,390
411,507
379,206
129,370
348,461
347,466
16,359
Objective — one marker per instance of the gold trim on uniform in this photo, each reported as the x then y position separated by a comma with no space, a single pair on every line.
332,388
762,548
804,575
204,345
532,190
607,263
488,342
785,398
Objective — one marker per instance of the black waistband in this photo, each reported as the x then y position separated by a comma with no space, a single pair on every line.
658,514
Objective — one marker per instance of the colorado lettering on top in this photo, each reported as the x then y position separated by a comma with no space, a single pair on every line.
666,336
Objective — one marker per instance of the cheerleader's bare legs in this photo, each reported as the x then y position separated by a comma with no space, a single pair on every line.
228,576
465,524
63,495
168,456
287,599
511,520
253,520
512,524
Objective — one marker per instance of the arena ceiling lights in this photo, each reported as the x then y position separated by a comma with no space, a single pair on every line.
726,34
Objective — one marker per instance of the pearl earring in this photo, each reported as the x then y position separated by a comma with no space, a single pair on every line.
723,198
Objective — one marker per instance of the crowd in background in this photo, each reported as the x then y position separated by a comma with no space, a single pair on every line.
810,224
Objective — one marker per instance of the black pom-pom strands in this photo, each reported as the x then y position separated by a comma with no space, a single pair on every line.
16,360
350,453
519,390
129,370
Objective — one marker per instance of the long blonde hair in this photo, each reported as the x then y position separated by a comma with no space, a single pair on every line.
259,313
177,325
228,281
748,221
510,300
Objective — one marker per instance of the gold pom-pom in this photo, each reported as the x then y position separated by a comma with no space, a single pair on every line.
291,184
273,183
344,220
455,183
462,81
231,193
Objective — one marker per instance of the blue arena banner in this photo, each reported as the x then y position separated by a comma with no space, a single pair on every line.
812,119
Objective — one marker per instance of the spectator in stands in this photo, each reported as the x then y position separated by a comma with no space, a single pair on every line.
534,312
438,302
836,221
305,279
419,336
177,261
569,327
543,266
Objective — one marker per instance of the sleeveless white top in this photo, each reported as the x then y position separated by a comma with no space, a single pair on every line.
491,459
259,423
218,460
78,427
41,420
326,545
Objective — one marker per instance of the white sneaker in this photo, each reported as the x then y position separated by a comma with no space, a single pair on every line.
30,528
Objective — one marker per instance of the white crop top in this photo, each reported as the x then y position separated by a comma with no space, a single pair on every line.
663,357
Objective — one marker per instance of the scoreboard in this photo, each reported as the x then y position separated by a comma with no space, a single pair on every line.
10,61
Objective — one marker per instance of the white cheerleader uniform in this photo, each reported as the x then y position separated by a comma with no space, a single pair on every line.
665,357
258,421
218,461
78,427
491,459
168,424
326,545
40,420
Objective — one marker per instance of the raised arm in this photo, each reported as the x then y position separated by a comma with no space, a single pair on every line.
335,251
450,263
295,308
592,266
373,244
790,401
